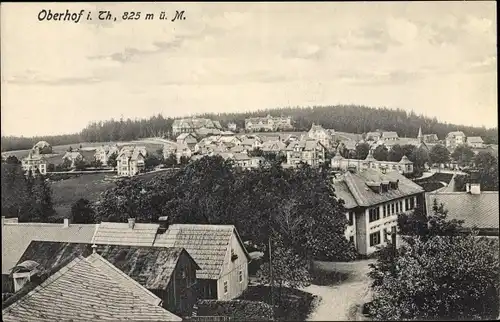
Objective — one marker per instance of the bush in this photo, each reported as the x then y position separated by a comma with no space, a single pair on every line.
240,310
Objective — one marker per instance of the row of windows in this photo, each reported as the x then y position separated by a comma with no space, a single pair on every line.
390,209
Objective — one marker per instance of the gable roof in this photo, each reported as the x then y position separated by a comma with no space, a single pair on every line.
88,289
476,210
207,244
474,139
390,134
152,267
114,233
359,194
455,133
17,236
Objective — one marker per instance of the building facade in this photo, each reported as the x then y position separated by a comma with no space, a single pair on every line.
405,166
191,125
475,142
310,152
35,163
373,202
131,161
454,139
317,132
268,123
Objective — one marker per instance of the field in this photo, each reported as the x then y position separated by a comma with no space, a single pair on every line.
58,151
88,186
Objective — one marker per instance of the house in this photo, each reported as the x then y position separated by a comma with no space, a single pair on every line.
475,142
203,132
73,157
17,236
190,125
131,161
169,273
104,152
243,161
232,126
168,150
85,289
373,201
430,138
476,208
389,136
317,132
187,139
268,123
35,163
454,139
252,143
404,166
182,150
373,136
275,146
217,249
311,152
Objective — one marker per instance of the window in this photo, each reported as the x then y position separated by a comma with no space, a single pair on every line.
374,214
240,276
385,210
412,203
225,287
375,238
401,205
397,206
386,237
392,208
351,218
407,204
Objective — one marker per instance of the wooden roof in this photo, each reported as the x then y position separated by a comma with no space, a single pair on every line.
88,289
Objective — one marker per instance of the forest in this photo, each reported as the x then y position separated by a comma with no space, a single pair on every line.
343,118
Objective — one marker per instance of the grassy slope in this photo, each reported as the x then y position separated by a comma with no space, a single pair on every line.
66,192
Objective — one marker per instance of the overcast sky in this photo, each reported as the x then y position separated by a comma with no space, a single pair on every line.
438,59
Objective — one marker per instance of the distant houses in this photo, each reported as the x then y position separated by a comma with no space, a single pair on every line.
475,142
405,166
268,124
193,125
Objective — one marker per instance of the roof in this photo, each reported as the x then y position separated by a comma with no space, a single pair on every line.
41,144
17,236
183,136
72,155
389,135
455,133
305,145
357,192
474,139
207,244
476,210
112,233
88,289
152,267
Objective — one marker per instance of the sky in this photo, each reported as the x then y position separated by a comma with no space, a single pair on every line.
433,58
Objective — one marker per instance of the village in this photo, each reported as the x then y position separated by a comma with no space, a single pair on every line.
202,271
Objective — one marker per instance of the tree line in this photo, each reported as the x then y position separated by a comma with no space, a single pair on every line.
344,118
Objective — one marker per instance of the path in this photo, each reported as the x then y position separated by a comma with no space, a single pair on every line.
342,302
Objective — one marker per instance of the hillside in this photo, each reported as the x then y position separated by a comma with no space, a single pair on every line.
343,118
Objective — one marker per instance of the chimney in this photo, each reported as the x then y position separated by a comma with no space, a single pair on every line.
163,220
94,248
131,223
67,222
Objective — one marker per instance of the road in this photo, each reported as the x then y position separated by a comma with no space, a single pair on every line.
342,302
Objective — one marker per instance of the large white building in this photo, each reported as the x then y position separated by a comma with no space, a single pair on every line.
131,160
269,123
373,201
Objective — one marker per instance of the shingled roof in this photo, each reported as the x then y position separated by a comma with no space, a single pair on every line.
88,289
121,234
207,244
355,191
152,267
17,236
479,210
